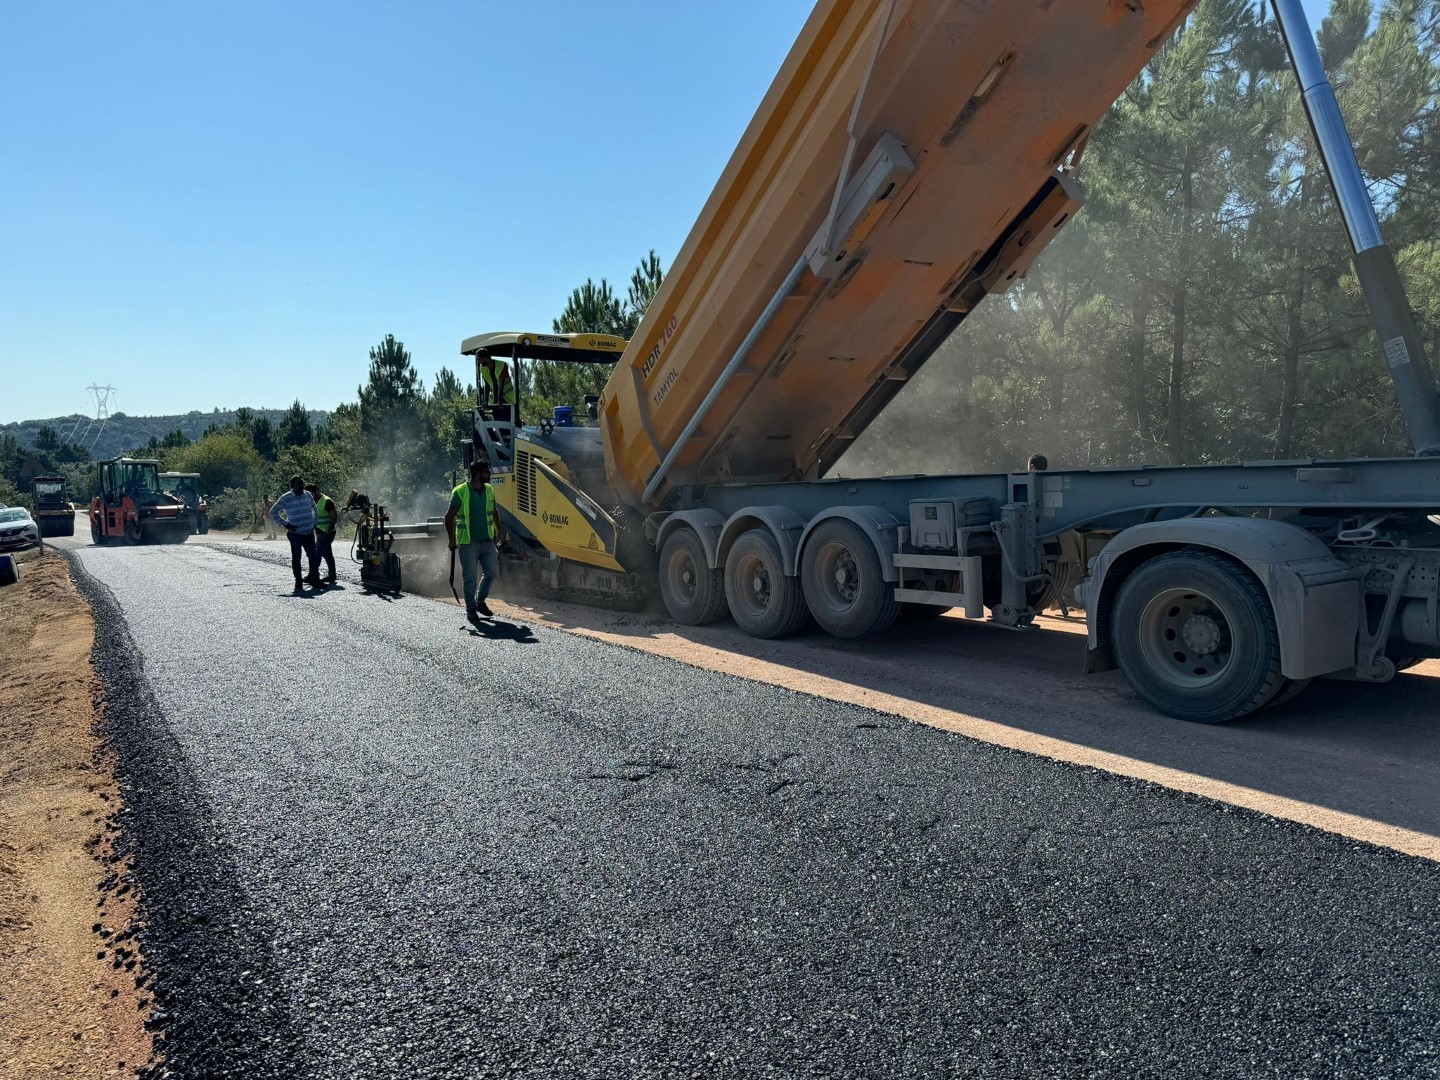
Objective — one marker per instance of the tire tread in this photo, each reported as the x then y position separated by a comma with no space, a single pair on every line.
715,606
1274,683
883,612
794,612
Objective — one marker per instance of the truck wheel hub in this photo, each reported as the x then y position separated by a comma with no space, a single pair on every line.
1202,634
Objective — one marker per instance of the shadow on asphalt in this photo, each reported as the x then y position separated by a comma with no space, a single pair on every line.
389,598
498,630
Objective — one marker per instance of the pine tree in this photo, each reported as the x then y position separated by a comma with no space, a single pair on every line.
644,284
592,309
295,428
389,409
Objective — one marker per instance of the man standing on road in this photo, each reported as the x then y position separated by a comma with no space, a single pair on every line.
473,524
296,511
327,519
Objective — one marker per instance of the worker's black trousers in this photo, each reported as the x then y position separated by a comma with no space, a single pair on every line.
324,550
303,542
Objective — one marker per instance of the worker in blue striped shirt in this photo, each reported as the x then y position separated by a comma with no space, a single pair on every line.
296,511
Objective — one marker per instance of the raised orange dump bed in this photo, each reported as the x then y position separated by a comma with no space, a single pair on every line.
777,336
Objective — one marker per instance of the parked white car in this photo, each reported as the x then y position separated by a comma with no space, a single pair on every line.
17,529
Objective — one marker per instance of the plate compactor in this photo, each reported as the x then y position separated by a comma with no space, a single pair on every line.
379,565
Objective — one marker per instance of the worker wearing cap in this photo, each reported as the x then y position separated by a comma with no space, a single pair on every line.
327,519
473,525
498,387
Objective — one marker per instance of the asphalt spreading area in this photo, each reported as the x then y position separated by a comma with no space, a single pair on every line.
373,843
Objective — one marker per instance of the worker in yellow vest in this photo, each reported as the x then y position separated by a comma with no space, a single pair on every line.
327,519
473,525
498,386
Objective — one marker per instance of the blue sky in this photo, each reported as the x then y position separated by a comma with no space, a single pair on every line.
222,205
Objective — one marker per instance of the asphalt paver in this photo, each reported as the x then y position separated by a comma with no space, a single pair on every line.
372,841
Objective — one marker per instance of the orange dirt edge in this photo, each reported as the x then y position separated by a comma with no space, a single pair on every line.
73,1001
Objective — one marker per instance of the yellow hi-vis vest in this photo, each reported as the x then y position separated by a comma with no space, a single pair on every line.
504,393
323,506
463,515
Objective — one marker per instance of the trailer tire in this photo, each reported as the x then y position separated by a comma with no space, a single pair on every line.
844,581
693,593
1195,636
921,612
1292,689
764,602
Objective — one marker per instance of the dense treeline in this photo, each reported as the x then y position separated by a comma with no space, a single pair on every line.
121,431
398,442
1202,307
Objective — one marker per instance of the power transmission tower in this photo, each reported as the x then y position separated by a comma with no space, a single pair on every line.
102,413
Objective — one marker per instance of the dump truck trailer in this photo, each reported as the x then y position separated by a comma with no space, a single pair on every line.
911,158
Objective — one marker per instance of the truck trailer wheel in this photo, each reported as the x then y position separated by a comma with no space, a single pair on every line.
844,581
693,593
763,601
1292,689
1195,636
921,612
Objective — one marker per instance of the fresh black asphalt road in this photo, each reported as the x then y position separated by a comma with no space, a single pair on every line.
373,844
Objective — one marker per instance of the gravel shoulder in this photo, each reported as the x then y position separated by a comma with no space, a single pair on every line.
71,1001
